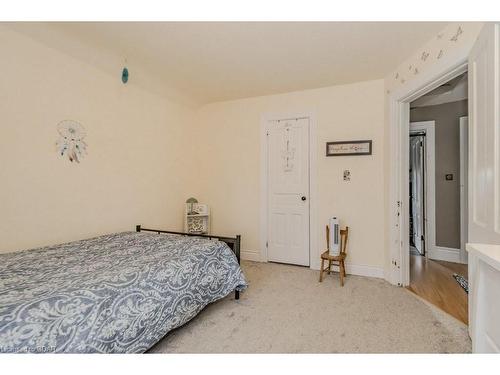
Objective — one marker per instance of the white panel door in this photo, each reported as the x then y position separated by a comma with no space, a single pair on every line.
484,138
484,186
288,191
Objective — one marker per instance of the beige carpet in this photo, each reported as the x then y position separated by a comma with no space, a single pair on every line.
286,310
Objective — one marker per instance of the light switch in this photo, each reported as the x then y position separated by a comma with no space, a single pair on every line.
347,175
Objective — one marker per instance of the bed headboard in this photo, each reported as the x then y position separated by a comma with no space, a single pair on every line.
234,243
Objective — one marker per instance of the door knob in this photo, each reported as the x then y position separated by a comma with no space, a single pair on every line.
303,198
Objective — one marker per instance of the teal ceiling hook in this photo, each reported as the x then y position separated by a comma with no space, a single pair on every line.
125,75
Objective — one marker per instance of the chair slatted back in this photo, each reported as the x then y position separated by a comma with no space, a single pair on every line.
344,234
328,238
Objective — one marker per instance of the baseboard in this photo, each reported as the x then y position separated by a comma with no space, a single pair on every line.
362,270
351,269
250,255
447,254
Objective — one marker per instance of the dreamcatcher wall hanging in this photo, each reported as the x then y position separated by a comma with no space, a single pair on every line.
70,142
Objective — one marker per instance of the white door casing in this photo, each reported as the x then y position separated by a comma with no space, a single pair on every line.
484,138
429,185
449,67
399,123
417,202
288,191
464,168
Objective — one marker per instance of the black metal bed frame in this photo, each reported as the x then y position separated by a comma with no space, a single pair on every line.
234,243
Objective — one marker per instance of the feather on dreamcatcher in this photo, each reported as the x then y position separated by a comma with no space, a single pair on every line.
70,142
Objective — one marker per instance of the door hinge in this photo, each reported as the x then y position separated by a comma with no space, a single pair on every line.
267,244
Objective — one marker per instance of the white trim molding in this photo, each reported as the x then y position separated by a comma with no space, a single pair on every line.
464,186
362,270
254,256
447,254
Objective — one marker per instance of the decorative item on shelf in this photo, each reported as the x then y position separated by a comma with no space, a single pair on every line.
196,217
345,148
70,142
190,202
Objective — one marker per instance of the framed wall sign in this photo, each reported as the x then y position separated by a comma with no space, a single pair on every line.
349,148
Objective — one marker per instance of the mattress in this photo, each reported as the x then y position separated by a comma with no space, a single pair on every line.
117,293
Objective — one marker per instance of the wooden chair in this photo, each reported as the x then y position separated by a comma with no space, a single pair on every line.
338,259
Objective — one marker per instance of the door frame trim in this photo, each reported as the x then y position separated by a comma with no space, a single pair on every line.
313,187
397,270
429,185
464,181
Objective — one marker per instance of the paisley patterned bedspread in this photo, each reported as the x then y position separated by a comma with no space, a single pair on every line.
118,293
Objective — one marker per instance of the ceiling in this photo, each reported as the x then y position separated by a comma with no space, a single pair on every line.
215,61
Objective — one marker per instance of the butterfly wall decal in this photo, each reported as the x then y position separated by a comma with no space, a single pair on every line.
459,32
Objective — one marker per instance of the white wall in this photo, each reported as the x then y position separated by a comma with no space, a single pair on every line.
136,170
228,160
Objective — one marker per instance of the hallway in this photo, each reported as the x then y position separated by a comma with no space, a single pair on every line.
433,281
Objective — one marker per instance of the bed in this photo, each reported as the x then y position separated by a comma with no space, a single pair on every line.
117,293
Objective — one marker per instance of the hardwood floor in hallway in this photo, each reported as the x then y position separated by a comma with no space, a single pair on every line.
433,281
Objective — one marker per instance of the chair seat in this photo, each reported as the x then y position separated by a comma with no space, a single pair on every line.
326,256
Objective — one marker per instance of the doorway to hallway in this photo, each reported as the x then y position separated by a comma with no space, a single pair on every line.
437,181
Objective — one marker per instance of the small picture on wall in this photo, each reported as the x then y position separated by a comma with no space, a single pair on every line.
345,148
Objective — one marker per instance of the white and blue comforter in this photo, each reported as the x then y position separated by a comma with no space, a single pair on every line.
118,293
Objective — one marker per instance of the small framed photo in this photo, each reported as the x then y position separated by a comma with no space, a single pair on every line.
345,148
